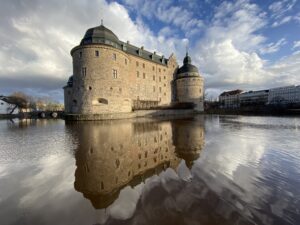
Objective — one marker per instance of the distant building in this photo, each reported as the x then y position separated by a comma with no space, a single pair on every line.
284,95
254,98
230,99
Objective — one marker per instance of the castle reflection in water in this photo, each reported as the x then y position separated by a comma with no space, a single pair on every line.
113,154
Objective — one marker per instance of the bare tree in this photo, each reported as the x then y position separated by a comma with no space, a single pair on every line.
16,100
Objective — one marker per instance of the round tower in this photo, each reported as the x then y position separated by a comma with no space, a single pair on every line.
100,75
189,84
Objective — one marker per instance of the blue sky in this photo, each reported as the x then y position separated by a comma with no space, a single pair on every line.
242,44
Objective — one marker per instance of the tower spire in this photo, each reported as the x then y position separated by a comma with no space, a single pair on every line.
187,49
101,22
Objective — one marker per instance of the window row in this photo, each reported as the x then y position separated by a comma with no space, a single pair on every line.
97,54
114,72
153,77
144,66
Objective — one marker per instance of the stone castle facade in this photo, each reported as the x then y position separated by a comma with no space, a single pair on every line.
111,76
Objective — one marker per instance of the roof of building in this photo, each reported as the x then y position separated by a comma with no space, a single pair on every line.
99,34
233,92
187,66
103,35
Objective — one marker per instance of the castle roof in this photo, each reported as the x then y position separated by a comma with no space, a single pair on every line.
103,35
187,66
99,34
233,92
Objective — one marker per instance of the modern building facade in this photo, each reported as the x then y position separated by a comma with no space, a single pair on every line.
287,97
254,98
111,76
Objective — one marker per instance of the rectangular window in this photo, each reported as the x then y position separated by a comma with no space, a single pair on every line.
83,71
125,61
114,56
80,54
137,63
143,65
97,53
137,74
153,68
159,79
159,70
144,75
115,74
153,77
160,89
153,88
164,77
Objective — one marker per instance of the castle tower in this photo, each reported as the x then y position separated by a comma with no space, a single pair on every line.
100,75
189,85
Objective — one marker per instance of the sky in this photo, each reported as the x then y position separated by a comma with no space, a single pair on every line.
242,44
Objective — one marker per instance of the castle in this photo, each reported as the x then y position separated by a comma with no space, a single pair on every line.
111,76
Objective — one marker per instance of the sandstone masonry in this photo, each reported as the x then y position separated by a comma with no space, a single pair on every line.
111,76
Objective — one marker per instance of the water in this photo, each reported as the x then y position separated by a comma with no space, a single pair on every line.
199,170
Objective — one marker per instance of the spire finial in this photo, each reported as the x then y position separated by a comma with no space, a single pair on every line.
101,22
187,49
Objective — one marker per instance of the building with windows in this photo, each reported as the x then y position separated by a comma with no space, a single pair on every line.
254,98
111,76
230,99
288,95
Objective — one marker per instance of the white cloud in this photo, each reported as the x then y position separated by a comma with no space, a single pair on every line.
229,66
286,70
239,22
296,44
282,21
167,13
280,8
227,54
273,47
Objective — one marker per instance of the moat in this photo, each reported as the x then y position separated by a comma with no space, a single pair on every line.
193,170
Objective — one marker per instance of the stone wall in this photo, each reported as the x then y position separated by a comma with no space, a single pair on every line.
108,80
151,81
190,89
101,82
